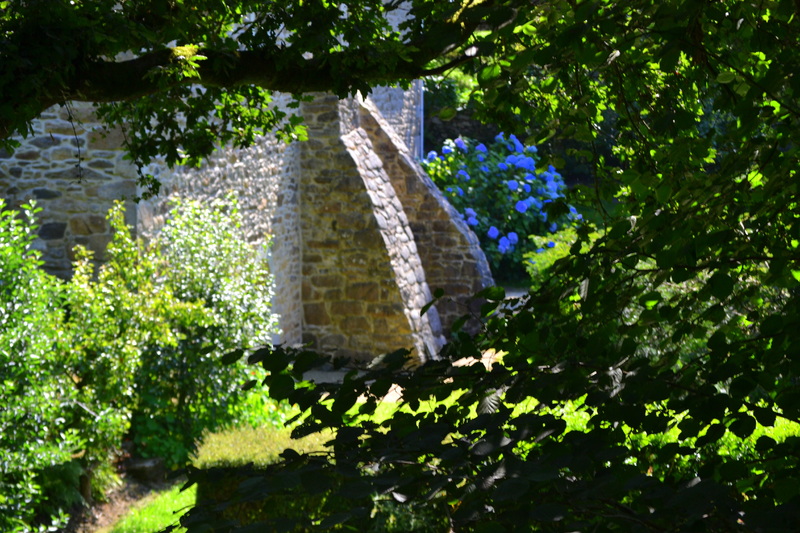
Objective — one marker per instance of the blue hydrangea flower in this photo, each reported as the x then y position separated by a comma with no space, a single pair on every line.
532,149
449,189
551,244
500,137
472,221
513,238
512,185
432,155
502,166
463,174
539,250
526,187
460,191
521,206
503,245
470,212
484,168
493,232
460,144
481,158
512,159
533,201
481,148
446,150
553,227
517,145
526,162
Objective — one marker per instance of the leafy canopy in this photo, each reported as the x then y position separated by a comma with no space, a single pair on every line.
647,383
183,75
672,336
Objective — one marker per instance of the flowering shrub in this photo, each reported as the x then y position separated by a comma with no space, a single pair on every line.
503,197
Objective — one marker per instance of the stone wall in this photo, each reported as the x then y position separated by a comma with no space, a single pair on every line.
74,198
359,233
362,282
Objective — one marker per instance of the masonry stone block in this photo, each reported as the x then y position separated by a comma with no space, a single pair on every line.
52,230
316,313
365,291
27,155
45,142
344,308
46,194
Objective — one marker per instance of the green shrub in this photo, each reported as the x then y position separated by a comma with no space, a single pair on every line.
35,386
202,257
114,318
130,346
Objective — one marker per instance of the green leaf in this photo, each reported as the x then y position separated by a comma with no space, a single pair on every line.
726,77
231,357
743,426
721,285
489,73
281,386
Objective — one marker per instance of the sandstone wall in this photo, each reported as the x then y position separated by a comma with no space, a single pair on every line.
449,251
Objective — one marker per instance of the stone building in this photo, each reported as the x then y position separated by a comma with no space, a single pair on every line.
361,236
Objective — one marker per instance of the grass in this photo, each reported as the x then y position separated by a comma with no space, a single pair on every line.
155,512
260,446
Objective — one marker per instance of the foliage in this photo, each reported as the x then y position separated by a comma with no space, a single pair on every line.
447,94
84,362
672,335
502,195
548,249
202,257
35,389
111,315
181,76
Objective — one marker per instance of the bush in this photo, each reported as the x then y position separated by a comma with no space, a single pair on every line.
115,317
35,386
202,257
132,346
502,196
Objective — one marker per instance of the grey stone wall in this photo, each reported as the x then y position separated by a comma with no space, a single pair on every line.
74,171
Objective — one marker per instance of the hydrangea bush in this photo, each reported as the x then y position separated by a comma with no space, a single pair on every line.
504,196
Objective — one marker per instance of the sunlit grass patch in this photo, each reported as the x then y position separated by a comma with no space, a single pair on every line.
156,512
